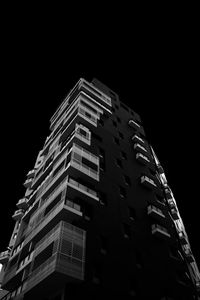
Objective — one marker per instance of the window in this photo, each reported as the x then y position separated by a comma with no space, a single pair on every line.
102,159
88,211
123,155
138,258
72,204
119,163
127,180
116,106
96,274
97,137
122,192
116,140
101,122
127,231
118,119
132,214
104,244
88,114
124,106
43,256
52,204
112,95
103,198
114,123
121,135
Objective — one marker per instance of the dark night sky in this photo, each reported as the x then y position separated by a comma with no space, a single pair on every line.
154,74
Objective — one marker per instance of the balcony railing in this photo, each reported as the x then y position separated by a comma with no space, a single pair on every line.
136,138
41,272
83,189
22,203
139,147
85,169
155,212
4,256
160,231
18,214
147,182
133,124
28,183
142,158
31,174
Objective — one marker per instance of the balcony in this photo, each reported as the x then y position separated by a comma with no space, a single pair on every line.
160,232
147,182
142,158
138,147
22,204
174,214
155,212
133,124
31,174
182,238
4,257
171,203
18,214
28,183
73,186
136,139
63,262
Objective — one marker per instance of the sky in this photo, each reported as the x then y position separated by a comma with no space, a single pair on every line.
155,77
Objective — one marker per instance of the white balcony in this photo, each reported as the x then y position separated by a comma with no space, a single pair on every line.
4,256
31,174
22,203
147,182
133,124
171,203
160,231
139,147
189,256
174,214
155,212
18,214
136,138
28,183
182,239
142,158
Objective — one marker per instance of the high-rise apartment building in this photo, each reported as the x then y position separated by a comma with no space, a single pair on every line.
98,218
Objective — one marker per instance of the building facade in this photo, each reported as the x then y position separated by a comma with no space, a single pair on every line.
98,218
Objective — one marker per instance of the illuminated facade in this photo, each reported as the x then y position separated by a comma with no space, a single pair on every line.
98,218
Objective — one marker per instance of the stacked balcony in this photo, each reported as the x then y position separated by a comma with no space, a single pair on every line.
189,257
133,124
28,183
147,182
155,212
142,158
18,214
174,214
31,174
22,204
160,232
140,148
4,256
137,139
182,239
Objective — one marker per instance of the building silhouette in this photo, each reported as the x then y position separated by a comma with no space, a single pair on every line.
98,218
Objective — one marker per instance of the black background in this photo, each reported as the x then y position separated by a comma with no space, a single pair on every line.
152,65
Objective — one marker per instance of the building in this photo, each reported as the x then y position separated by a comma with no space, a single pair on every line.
98,218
